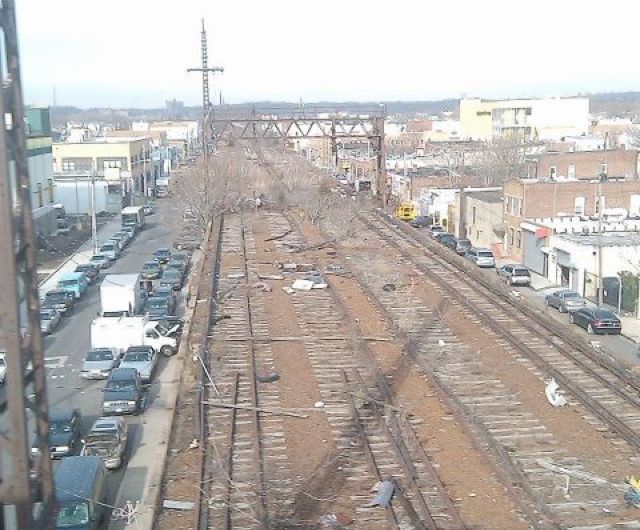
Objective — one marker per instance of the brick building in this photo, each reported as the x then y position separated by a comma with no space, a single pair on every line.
535,199
616,163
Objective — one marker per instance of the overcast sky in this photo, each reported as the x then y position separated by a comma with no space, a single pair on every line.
134,53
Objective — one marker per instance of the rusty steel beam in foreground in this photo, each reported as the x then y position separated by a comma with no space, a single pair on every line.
26,485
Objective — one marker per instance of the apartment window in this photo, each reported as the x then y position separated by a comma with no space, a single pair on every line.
511,236
473,215
506,204
634,205
106,164
68,166
578,205
571,172
518,238
519,207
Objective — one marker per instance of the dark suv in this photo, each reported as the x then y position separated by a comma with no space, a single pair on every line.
64,432
123,392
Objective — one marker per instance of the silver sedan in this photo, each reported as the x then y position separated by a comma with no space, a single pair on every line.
565,300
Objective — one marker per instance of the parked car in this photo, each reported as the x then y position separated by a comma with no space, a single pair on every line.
143,359
514,274
59,299
419,222
565,300
448,241
75,283
123,392
149,209
151,270
125,236
184,257
596,320
99,362
3,367
111,250
90,270
462,245
436,229
119,241
163,291
129,230
177,266
171,278
107,439
162,255
160,307
170,325
64,432
49,319
482,257
100,260
80,493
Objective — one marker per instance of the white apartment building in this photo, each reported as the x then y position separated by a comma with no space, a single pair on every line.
549,119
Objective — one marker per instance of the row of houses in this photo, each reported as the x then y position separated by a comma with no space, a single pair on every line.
570,231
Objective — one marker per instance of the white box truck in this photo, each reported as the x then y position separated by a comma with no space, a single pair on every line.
120,333
121,294
133,215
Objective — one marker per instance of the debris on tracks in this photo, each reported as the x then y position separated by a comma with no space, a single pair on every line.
384,491
269,377
335,521
271,277
389,287
178,505
554,395
262,286
302,285
281,236
235,275
296,267
338,270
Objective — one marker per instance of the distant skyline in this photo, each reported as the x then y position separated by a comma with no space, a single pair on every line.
135,53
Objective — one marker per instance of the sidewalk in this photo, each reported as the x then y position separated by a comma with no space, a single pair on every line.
81,256
541,286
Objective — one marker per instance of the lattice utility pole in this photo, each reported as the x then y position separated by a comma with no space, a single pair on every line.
206,103
24,481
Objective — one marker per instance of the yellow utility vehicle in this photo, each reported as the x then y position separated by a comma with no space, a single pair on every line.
406,211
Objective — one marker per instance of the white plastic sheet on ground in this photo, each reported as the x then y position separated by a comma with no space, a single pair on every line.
553,394
302,285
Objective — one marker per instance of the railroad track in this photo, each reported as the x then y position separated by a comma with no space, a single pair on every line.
516,437
610,393
387,447
247,485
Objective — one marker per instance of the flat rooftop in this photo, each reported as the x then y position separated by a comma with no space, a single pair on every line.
609,239
492,196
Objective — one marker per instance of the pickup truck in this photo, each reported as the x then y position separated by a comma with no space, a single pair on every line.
107,439
59,299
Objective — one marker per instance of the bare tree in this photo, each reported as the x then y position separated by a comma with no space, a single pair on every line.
503,159
203,193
